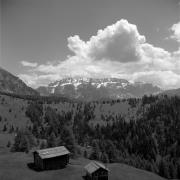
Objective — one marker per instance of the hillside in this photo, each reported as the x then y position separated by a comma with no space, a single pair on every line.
172,92
13,110
12,84
143,133
15,166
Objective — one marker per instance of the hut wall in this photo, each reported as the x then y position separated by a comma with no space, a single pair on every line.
38,161
100,174
56,162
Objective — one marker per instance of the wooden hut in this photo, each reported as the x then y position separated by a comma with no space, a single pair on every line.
96,171
51,158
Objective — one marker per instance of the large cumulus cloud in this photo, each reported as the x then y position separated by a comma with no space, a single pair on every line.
119,50
118,42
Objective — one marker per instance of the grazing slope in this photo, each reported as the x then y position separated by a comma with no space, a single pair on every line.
14,166
13,111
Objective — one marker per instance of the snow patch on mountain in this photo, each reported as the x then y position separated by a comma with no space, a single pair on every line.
90,89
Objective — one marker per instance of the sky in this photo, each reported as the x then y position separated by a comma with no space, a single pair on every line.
45,40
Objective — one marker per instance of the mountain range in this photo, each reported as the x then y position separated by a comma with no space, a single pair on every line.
83,88
91,89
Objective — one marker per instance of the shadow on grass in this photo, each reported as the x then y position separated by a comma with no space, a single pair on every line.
33,167
85,177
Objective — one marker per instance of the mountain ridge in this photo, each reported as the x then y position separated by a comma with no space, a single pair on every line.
172,92
9,83
94,88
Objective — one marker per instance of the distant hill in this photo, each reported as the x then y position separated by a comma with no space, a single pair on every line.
12,84
172,92
93,89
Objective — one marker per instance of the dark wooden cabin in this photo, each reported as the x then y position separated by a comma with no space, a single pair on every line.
96,171
51,158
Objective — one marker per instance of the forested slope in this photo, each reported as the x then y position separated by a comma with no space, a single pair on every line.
143,132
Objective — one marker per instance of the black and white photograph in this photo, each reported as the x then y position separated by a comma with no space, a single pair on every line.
89,89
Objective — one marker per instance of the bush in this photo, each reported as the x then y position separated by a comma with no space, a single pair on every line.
23,142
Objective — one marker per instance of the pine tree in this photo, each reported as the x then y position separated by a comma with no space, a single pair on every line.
42,145
5,128
178,170
163,169
51,141
8,144
173,170
68,138
23,141
96,153
85,154
104,158
20,143
11,130
59,141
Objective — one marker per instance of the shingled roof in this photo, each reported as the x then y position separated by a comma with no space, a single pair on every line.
94,166
52,152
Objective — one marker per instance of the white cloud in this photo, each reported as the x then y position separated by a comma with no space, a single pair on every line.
176,31
29,64
118,42
118,50
35,80
164,79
